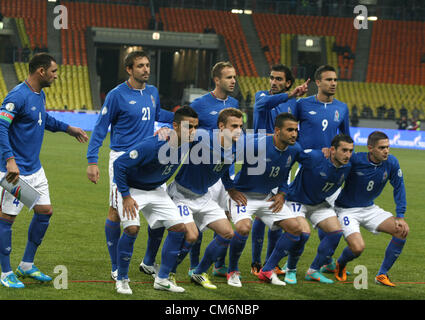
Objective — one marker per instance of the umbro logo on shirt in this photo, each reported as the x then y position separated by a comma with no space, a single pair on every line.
213,113
132,102
313,112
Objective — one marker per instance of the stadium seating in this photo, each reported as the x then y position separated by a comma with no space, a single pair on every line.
3,89
72,89
356,93
31,20
225,23
271,26
391,62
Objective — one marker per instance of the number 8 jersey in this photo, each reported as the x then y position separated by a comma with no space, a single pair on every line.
367,180
319,122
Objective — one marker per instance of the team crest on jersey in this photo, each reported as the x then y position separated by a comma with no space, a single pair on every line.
153,101
385,176
289,110
133,154
104,111
10,106
400,173
336,117
288,162
33,108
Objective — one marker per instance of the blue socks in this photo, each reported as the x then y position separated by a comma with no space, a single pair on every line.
257,239
112,233
214,250
326,249
170,252
346,256
297,251
152,247
273,237
394,249
237,244
221,260
195,252
184,250
285,244
5,244
125,252
36,232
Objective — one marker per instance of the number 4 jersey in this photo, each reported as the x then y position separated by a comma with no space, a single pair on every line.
367,180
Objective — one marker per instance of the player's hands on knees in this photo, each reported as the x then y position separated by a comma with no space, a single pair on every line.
278,201
238,197
93,173
130,207
402,227
78,133
12,174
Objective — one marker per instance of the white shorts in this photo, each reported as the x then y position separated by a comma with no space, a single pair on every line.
157,208
220,195
113,191
368,217
257,205
315,214
12,206
331,199
202,210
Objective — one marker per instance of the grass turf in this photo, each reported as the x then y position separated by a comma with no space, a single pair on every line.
76,240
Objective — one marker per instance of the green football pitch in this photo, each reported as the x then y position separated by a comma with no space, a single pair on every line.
74,252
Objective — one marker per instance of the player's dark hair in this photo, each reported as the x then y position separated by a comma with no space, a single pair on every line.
218,67
288,73
374,137
282,117
42,59
341,138
228,112
321,69
129,58
184,111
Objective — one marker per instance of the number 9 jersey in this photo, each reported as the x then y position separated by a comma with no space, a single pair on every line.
319,122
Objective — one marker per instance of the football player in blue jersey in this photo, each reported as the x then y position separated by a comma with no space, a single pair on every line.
130,110
355,206
253,194
317,179
191,190
23,119
208,108
268,105
139,175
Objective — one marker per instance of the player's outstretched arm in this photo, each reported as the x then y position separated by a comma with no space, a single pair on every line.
93,173
300,90
78,133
